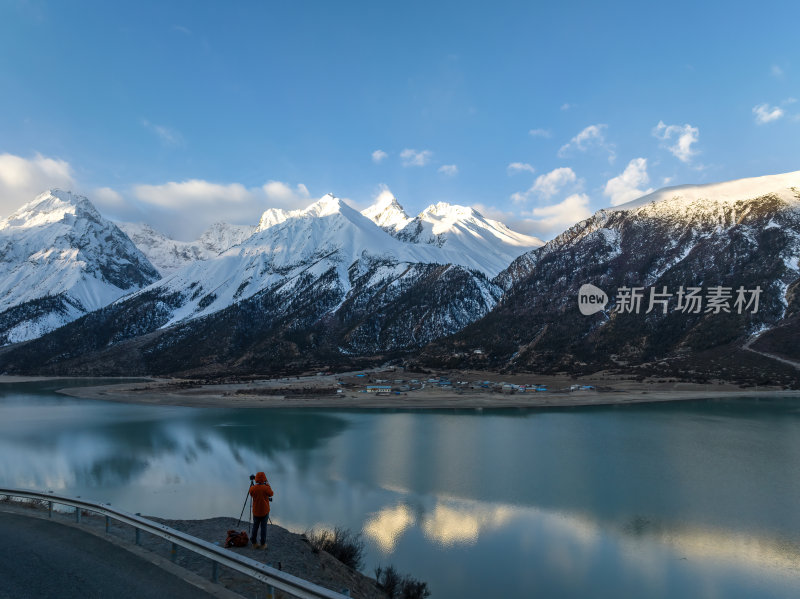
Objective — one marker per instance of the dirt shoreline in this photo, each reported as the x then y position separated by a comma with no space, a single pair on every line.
608,391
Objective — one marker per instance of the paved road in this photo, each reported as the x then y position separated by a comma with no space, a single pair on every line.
42,559
766,355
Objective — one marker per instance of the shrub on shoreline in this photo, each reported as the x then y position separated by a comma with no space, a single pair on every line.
348,548
341,543
400,587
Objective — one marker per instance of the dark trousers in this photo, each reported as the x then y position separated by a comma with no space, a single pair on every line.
262,522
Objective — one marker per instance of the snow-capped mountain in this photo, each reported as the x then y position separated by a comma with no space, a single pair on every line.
702,198
169,255
738,234
460,229
330,285
327,239
323,281
60,259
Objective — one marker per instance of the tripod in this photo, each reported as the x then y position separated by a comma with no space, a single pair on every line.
245,505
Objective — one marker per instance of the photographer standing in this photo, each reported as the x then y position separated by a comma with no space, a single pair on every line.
261,494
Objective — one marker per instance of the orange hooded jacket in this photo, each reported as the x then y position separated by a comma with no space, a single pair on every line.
261,492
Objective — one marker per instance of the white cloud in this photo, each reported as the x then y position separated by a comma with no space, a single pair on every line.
379,156
189,207
22,179
557,217
518,167
686,136
449,170
545,221
413,158
183,209
167,136
566,106
192,194
281,194
105,196
625,187
540,133
115,206
549,184
591,136
766,114
776,71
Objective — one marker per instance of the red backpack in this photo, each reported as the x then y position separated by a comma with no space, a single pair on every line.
237,539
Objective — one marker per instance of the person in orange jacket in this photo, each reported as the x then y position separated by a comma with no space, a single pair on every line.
261,494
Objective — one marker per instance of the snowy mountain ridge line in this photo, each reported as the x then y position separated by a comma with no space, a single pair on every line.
739,234
472,240
65,238
458,228
444,218
693,212
726,192
59,259
169,255
327,237
691,206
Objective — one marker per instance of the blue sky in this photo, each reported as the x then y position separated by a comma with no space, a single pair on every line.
184,113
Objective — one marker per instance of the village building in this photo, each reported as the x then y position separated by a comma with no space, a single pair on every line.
379,389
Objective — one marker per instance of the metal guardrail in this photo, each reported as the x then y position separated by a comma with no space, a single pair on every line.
297,587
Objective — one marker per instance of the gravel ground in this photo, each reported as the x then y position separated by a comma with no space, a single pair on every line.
287,551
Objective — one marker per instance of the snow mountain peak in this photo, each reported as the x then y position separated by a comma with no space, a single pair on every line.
387,213
51,206
327,205
459,228
447,210
60,259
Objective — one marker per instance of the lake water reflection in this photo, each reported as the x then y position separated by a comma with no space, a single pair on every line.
672,500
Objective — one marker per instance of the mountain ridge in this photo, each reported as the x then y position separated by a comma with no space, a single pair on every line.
328,285
460,229
59,259
169,255
688,238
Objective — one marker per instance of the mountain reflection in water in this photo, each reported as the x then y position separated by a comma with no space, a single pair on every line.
691,499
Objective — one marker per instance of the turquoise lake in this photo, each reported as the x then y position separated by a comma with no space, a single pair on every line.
689,499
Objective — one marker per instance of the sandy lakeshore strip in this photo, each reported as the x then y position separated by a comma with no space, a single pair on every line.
10,378
608,391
